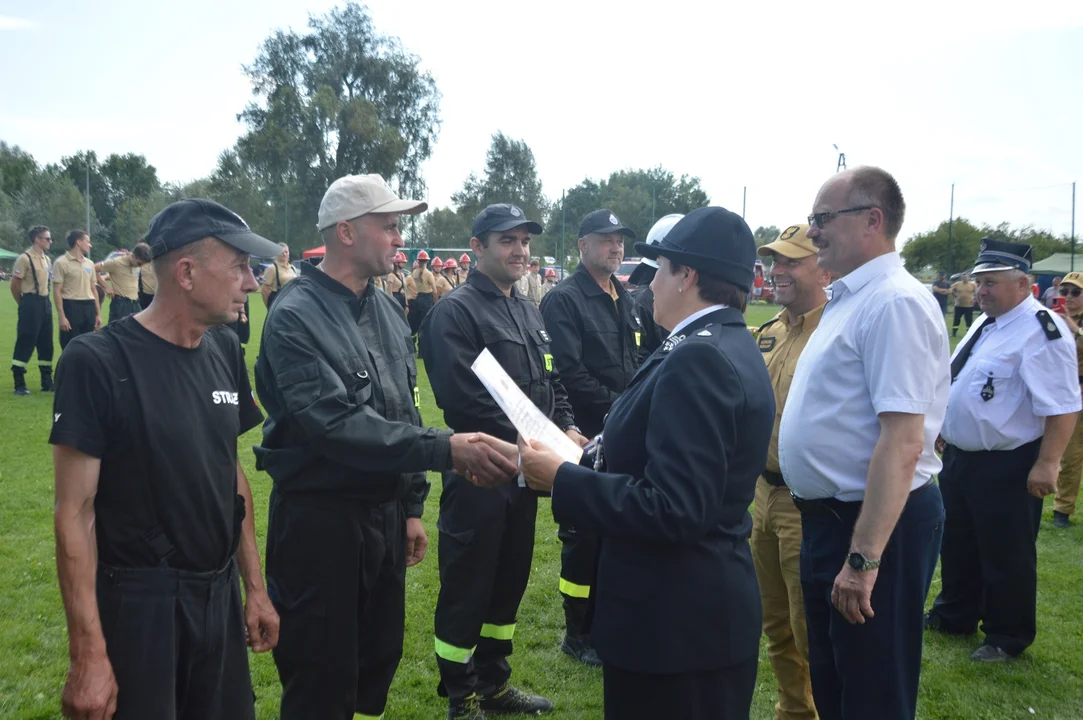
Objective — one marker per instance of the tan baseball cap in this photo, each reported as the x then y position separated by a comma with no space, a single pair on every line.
356,195
792,243
1073,278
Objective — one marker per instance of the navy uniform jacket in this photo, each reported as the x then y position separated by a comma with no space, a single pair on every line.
683,445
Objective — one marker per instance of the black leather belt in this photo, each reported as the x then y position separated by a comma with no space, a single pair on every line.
833,506
774,479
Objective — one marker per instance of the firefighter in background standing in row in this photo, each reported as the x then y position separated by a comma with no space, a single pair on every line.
443,286
549,281
596,349
78,308
30,288
963,289
464,267
776,521
396,281
640,277
124,277
451,272
1071,466
1011,412
425,287
487,534
148,285
276,276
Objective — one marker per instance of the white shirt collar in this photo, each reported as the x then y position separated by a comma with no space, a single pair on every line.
861,277
695,316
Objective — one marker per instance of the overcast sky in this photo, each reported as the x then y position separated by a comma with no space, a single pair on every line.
988,95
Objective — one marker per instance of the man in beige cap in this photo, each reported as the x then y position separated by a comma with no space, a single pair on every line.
776,522
1071,465
347,452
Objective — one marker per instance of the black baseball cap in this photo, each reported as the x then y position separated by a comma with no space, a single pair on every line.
604,222
190,220
501,217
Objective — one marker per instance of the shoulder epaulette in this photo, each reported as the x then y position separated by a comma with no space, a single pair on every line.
1052,332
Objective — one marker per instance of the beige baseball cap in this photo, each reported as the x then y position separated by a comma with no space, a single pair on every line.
356,195
792,243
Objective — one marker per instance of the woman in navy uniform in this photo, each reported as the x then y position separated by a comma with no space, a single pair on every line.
677,618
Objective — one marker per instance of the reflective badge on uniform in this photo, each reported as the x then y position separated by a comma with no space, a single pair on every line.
548,362
672,343
767,344
704,333
987,390
638,339
544,336
417,398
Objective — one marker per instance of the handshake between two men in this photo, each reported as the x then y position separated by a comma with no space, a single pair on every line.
490,462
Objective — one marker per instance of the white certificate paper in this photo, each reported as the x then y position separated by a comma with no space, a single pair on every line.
524,415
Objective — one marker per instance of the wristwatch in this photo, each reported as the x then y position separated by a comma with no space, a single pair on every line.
860,563
573,427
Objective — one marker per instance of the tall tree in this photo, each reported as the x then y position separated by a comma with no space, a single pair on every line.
50,198
765,235
638,197
341,99
929,250
510,176
16,168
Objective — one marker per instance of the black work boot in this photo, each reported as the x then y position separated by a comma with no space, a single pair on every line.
1060,520
576,641
468,708
508,700
20,380
46,379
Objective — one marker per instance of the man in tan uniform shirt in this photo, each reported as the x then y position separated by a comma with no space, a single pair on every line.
148,285
963,289
776,522
534,283
1071,463
396,280
276,276
425,287
30,288
124,276
77,307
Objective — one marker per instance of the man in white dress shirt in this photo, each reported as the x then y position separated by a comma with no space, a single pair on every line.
1012,409
856,446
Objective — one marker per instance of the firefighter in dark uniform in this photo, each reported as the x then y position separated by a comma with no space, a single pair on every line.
30,288
653,334
1011,412
487,535
596,340
346,450
677,619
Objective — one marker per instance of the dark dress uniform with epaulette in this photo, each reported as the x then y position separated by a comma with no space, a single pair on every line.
1008,375
596,348
677,609
486,535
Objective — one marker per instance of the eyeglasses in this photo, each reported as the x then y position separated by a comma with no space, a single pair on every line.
1074,292
822,218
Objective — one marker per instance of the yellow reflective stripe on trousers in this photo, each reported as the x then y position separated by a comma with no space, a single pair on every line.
45,363
498,632
363,716
18,363
572,590
451,653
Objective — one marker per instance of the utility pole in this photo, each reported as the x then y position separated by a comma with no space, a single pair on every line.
88,192
841,165
563,255
744,202
1073,227
951,220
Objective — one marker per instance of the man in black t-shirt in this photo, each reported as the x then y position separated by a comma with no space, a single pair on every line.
152,505
942,290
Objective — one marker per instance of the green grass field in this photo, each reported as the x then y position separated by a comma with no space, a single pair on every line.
1046,683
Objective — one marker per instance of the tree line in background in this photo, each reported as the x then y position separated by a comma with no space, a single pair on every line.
342,98
930,252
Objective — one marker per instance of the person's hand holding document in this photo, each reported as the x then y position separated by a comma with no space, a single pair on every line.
528,420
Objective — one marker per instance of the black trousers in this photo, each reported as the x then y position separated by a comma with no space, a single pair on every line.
870,670
121,307
419,308
34,331
485,552
989,562
710,695
961,313
176,640
145,299
81,314
336,573
578,567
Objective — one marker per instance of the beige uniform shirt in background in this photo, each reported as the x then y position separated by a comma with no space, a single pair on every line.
277,275
150,280
22,269
123,275
424,281
964,293
76,278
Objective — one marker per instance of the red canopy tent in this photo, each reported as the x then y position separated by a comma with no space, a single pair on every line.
315,252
